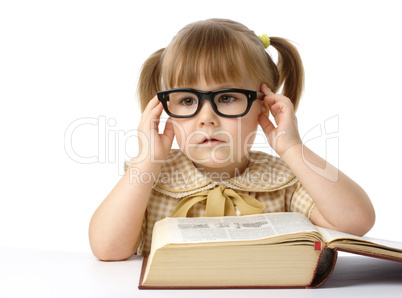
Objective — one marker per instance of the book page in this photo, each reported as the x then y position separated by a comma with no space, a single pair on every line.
236,228
330,235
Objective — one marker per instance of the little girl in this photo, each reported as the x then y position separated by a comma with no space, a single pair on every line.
217,83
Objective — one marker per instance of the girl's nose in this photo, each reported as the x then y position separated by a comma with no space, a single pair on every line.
207,115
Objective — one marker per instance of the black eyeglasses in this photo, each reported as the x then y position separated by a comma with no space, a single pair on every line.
186,103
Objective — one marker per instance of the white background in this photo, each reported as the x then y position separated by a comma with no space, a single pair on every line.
62,61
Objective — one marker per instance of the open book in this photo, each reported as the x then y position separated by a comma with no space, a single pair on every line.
254,251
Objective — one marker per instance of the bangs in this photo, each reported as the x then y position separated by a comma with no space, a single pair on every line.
215,53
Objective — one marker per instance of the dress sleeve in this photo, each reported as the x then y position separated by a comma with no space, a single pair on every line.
127,164
298,200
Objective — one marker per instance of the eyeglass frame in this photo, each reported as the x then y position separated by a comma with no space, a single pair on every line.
209,95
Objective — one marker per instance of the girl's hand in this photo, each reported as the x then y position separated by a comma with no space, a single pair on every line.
285,134
152,145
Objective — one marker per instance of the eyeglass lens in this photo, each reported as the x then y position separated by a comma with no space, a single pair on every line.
186,103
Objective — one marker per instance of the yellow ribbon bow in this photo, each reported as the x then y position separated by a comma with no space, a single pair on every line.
220,201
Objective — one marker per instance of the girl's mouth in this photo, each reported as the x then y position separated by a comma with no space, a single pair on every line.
211,141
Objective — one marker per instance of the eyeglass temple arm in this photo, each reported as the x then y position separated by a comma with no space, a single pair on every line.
260,95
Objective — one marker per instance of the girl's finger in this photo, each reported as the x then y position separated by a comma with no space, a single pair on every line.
152,104
266,125
279,103
264,89
276,108
155,115
146,114
169,131
272,98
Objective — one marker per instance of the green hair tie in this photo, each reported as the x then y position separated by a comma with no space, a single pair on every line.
265,40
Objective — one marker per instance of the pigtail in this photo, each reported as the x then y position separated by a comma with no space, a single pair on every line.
150,80
290,69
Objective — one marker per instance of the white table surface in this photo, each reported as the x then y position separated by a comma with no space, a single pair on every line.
39,273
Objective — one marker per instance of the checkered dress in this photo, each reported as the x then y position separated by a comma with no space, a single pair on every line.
267,178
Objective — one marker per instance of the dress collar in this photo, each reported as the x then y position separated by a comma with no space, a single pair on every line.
179,177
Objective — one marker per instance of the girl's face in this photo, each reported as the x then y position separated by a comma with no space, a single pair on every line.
216,143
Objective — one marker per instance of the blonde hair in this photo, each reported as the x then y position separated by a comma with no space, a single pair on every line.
219,49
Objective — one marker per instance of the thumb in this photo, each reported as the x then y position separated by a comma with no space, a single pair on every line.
266,125
168,134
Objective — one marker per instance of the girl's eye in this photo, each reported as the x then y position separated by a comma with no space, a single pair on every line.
188,101
226,99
